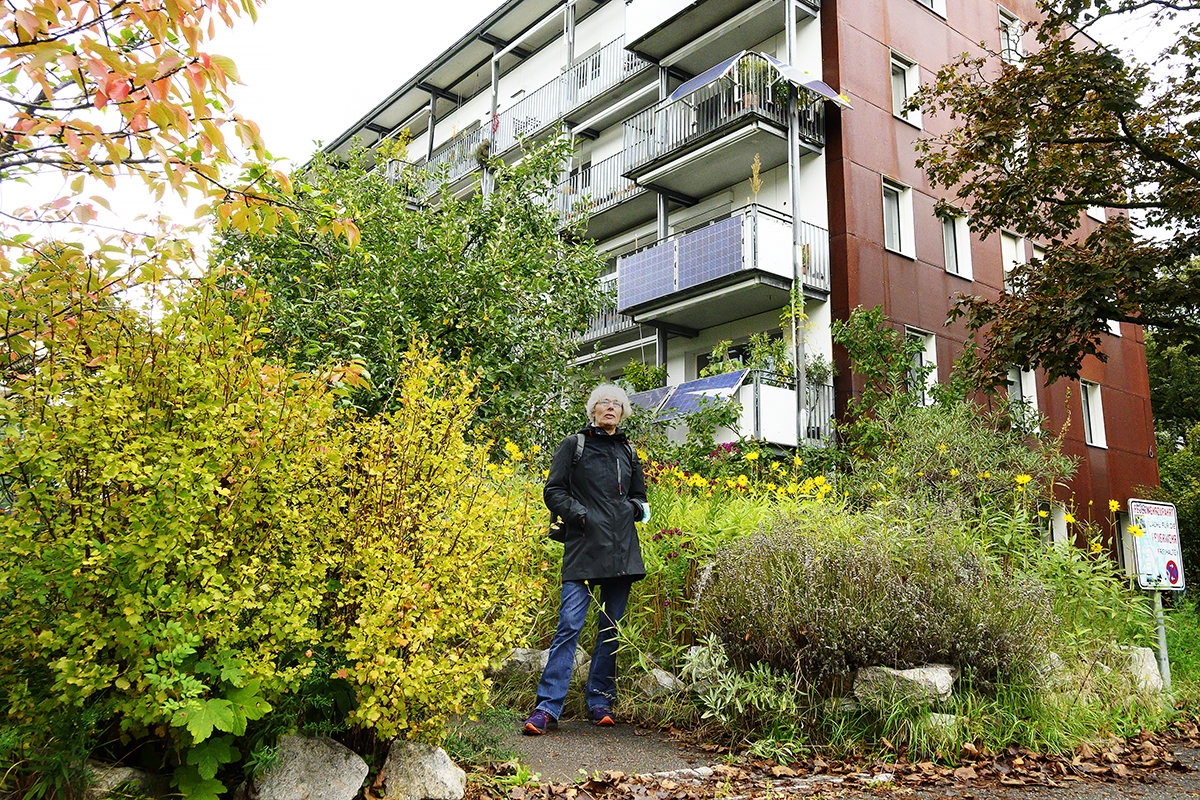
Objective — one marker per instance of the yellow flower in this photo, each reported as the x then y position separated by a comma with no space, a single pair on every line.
819,480
1023,479
752,456
641,454
1096,547
921,474
1043,513
953,472
1114,506
797,460
941,448
890,470
1136,530
742,480
1069,518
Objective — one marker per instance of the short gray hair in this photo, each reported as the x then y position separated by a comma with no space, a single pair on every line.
614,391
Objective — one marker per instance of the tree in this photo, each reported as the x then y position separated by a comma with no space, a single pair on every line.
1072,126
489,279
1174,390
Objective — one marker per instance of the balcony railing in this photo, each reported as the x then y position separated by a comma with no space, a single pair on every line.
596,188
608,322
751,89
457,156
595,74
752,238
769,410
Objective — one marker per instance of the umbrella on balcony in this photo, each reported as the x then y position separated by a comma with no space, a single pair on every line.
786,71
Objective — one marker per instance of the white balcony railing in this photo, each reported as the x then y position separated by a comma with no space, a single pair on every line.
597,187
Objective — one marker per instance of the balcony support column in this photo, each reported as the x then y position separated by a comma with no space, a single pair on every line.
797,294
664,210
569,32
433,101
660,349
485,182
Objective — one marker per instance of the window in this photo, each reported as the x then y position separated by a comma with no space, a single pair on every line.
1114,327
1012,253
1097,213
897,218
1093,414
936,6
906,77
922,376
1022,397
956,246
1010,37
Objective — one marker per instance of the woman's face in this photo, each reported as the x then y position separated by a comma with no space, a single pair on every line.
607,412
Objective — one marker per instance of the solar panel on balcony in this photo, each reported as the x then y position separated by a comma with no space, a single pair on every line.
693,395
711,252
649,401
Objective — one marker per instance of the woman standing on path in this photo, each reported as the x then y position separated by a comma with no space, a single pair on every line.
599,492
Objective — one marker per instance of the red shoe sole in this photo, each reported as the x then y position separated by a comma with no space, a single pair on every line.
606,721
531,730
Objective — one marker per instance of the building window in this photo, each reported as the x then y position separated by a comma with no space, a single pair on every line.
1098,213
1010,37
1114,326
897,218
922,376
906,77
1012,253
1093,414
956,246
1022,397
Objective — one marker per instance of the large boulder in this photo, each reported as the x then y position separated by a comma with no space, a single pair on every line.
525,661
419,771
311,768
880,687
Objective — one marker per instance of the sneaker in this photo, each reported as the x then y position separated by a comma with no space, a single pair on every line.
538,723
602,716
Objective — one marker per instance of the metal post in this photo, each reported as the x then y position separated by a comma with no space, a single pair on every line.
797,224
660,348
1164,663
569,31
664,91
432,127
486,183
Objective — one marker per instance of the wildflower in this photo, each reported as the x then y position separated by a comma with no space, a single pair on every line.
890,470
1043,513
1023,479
752,456
1096,547
921,474
819,480
1114,506
1069,518
641,454
797,460
941,448
1136,530
953,473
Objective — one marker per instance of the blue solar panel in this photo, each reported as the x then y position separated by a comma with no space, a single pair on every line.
691,396
711,252
646,275
649,400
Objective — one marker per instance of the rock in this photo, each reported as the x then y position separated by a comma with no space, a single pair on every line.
942,725
883,777
879,687
104,779
657,683
419,771
311,768
1052,673
844,705
524,661
1141,666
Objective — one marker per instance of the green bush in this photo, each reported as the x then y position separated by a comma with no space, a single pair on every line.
825,592
201,551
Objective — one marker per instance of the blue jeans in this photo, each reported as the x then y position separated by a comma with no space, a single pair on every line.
572,612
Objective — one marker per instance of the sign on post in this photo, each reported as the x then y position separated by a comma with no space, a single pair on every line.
1157,556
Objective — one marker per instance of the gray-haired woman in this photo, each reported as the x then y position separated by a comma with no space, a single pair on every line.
599,492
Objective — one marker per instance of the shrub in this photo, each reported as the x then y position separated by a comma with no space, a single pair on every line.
825,592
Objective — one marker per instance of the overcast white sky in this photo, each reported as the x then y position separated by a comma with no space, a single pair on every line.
310,68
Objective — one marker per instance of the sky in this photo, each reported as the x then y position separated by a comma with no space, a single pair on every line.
311,68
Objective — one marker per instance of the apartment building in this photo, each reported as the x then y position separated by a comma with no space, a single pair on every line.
722,207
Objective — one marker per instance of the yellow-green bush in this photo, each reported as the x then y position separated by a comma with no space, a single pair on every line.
434,558
192,535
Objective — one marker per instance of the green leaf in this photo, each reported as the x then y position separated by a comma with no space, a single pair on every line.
201,716
208,756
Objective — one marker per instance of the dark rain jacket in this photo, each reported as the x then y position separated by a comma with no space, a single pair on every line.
602,489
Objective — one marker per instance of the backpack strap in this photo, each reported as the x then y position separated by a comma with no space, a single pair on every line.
578,450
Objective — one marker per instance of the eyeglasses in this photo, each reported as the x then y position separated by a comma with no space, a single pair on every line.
608,404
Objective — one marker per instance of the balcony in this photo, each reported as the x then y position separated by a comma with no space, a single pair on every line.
684,32
608,323
458,157
609,202
767,401
707,140
727,269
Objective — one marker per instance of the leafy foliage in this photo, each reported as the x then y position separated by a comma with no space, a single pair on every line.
485,278
1179,483
1174,389
1076,125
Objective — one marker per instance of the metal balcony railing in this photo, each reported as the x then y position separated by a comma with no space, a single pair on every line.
751,89
596,188
458,156
752,237
608,322
595,74
532,113
817,421
821,424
